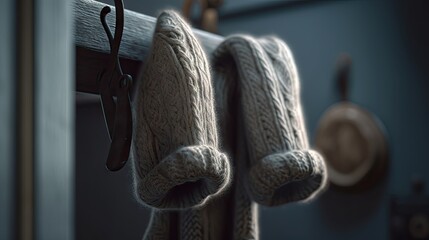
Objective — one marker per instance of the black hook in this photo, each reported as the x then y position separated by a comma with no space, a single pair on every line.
112,82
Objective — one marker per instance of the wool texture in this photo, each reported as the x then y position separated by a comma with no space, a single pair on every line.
176,161
178,169
258,97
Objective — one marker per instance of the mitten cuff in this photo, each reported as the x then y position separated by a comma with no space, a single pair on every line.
286,177
185,178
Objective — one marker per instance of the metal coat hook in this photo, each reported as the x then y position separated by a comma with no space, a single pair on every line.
114,89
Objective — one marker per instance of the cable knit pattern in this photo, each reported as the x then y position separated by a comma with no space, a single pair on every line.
175,154
273,162
159,226
281,167
193,225
246,224
177,164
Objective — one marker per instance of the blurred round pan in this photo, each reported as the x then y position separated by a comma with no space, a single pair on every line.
353,143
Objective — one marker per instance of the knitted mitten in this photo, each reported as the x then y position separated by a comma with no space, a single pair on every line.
280,167
175,148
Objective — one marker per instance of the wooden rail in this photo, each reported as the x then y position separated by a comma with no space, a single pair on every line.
92,46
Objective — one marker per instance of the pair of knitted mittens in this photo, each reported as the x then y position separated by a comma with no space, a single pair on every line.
179,170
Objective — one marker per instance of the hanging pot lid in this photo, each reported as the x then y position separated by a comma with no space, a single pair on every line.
351,139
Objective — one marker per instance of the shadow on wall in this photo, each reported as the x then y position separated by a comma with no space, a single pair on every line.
105,204
416,30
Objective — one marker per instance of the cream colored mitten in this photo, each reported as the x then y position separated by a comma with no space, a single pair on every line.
279,166
175,147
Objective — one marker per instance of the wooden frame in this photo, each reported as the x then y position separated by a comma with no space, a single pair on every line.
53,120
92,46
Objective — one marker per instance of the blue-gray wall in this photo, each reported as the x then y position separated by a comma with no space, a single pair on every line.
389,77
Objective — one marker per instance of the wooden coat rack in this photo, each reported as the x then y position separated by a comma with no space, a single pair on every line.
92,46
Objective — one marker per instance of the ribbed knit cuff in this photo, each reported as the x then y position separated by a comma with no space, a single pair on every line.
286,177
185,178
